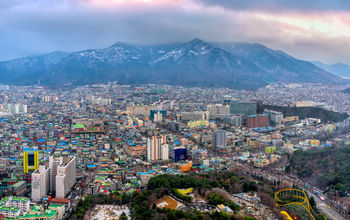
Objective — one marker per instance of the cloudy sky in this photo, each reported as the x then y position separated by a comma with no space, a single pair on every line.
307,29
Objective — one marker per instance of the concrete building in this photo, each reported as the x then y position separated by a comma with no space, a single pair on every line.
54,162
235,120
30,159
218,110
276,118
17,108
12,207
243,108
136,150
256,121
157,117
219,139
19,188
66,176
193,116
136,110
40,183
157,148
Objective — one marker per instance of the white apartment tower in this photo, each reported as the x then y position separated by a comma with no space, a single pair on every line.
54,162
66,176
40,183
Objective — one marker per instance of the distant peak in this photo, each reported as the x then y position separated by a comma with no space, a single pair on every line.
120,44
197,41
197,44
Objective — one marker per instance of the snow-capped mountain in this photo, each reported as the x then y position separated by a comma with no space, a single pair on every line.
195,63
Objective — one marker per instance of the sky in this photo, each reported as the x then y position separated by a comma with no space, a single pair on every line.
306,29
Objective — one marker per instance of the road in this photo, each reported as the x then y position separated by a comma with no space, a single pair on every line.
329,212
325,209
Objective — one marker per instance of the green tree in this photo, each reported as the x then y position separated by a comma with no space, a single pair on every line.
312,202
123,216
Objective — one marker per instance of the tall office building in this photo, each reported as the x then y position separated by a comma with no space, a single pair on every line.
243,108
40,183
157,148
219,139
30,160
66,176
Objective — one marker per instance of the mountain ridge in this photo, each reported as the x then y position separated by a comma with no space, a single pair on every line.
340,69
193,63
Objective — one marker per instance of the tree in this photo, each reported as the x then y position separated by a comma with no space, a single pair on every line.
341,188
312,203
123,216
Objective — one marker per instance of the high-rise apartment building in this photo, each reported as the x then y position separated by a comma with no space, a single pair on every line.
157,148
40,183
219,139
59,177
66,176
54,162
17,108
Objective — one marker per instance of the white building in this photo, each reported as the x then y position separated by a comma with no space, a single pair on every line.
12,207
164,152
275,117
157,148
98,101
19,202
158,117
66,176
136,110
17,108
54,162
193,116
218,110
40,183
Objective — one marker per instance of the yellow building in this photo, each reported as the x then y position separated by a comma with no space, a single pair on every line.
198,123
315,142
290,119
30,160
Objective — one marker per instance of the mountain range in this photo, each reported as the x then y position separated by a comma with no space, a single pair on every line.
195,63
340,69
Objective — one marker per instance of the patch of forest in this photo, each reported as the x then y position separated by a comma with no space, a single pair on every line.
325,167
306,112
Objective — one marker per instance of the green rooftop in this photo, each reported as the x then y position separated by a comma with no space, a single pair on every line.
48,214
9,209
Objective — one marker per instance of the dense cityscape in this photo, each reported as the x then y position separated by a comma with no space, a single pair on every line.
62,147
174,110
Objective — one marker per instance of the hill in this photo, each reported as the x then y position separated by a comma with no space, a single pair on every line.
347,90
306,112
327,167
195,63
